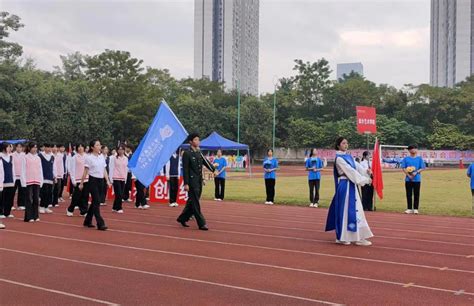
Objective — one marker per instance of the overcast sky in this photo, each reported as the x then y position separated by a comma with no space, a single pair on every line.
390,38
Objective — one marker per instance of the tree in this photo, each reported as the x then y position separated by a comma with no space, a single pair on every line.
448,136
305,134
310,82
9,50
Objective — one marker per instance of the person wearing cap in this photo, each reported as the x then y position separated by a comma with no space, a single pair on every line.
412,166
193,160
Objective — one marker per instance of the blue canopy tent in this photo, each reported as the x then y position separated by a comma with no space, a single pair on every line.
217,142
14,141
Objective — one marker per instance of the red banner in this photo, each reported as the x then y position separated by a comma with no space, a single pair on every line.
366,120
159,191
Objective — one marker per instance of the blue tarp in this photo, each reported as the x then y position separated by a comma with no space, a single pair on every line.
216,142
15,141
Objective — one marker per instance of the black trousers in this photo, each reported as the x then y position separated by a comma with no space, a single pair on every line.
95,185
32,202
367,197
21,199
57,191
270,189
63,184
314,191
6,200
193,207
140,199
103,191
80,198
118,191
46,195
413,194
174,185
220,188
128,187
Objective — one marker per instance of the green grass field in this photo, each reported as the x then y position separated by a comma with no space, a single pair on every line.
443,192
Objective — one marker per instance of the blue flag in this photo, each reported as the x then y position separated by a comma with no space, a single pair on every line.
162,139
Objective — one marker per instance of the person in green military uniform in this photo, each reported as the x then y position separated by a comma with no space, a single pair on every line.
193,160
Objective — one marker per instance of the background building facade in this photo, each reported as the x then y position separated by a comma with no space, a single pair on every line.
226,42
452,43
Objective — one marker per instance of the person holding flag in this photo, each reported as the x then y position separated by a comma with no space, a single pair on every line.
367,190
346,215
193,160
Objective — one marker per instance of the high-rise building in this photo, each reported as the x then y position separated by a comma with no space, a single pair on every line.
347,68
452,41
226,42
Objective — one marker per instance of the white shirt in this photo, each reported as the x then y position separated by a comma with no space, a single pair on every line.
365,164
96,165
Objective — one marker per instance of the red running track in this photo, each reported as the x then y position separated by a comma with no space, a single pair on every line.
253,254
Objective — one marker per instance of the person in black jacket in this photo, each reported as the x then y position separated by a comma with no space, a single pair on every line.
193,160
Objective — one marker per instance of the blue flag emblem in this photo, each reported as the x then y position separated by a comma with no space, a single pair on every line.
162,139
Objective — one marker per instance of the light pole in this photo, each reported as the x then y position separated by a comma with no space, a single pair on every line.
238,113
275,83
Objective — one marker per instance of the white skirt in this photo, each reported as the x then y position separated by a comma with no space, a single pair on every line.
363,229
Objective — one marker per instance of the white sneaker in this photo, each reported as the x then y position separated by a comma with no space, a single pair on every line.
148,199
363,242
103,204
270,203
2,217
42,210
174,204
146,206
10,216
129,200
31,220
139,207
220,200
48,211
37,220
76,208
13,208
69,214
21,208
216,199
316,205
2,226
311,205
408,211
120,211
267,203
342,242
49,206
415,211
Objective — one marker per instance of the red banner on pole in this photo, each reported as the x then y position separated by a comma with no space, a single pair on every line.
366,120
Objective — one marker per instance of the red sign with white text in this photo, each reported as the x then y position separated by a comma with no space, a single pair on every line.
159,191
366,120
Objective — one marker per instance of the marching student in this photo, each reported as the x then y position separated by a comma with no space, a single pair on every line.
103,196
172,170
270,166
59,174
368,189
62,150
412,166
128,183
2,226
346,215
314,165
95,171
80,197
18,163
32,179
118,175
220,163
8,182
49,179
140,199
70,154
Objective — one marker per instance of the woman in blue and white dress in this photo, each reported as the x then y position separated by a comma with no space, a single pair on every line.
346,214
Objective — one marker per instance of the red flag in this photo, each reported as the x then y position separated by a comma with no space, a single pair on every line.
377,179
